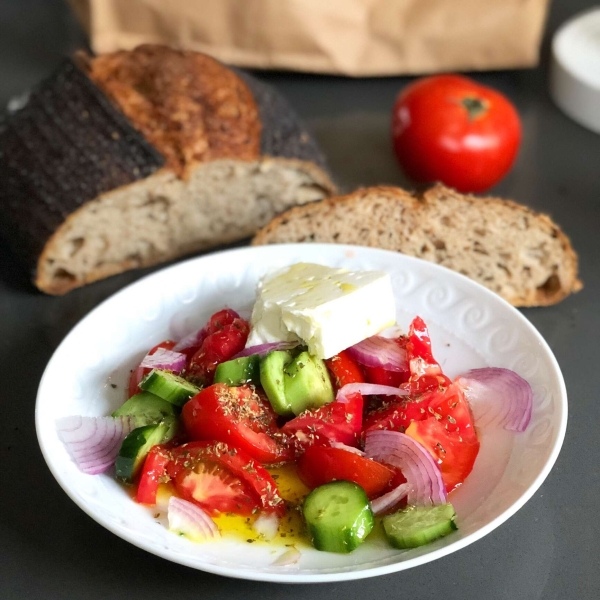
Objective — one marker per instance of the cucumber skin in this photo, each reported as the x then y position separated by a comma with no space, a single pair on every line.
137,445
247,369
429,534
276,392
145,409
347,538
179,396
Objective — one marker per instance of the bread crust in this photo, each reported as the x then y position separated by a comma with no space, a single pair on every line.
188,105
430,198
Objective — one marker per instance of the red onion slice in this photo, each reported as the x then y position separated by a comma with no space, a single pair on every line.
267,525
93,442
289,557
423,476
265,348
190,520
192,339
498,397
341,446
378,351
387,501
368,389
167,360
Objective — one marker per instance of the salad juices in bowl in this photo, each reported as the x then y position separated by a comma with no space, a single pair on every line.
316,422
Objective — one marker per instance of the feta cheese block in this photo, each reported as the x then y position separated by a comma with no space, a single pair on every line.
326,308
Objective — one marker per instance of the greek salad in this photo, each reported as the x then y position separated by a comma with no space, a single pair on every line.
315,420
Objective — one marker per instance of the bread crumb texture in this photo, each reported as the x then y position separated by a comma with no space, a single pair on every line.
164,217
519,254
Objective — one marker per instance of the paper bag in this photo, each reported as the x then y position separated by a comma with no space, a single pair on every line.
346,37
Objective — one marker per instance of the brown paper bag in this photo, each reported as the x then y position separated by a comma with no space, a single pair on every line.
348,37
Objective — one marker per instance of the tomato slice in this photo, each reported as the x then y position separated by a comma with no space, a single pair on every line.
219,346
238,416
153,472
335,422
221,478
381,376
344,370
448,434
396,415
426,373
321,464
451,408
138,374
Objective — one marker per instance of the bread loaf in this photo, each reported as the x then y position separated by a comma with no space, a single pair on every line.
134,158
522,255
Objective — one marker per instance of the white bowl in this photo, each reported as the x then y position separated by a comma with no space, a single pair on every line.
469,325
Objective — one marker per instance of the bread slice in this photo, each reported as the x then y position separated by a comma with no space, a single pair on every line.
510,249
134,158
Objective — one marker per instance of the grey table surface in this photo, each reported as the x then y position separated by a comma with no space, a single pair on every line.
550,549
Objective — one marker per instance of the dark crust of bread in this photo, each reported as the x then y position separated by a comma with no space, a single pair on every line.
438,193
225,119
283,133
189,106
67,145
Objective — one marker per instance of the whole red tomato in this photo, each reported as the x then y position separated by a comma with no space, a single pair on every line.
451,129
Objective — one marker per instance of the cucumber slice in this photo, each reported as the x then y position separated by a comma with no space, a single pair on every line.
169,387
307,383
239,371
137,444
418,526
338,516
272,381
145,408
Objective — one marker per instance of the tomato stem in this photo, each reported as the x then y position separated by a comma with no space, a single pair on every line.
475,107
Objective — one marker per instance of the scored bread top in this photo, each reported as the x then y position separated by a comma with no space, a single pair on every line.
520,254
189,106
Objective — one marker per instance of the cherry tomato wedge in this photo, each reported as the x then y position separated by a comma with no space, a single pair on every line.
220,319
215,323
237,416
219,346
153,472
220,478
448,434
138,374
321,464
